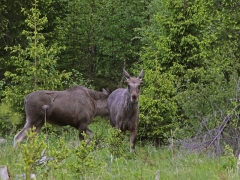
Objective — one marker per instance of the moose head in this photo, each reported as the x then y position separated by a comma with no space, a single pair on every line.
133,85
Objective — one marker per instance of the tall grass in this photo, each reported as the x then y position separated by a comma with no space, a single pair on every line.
68,159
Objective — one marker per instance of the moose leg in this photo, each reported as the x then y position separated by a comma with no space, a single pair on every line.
38,128
90,135
85,129
81,129
133,136
22,134
19,137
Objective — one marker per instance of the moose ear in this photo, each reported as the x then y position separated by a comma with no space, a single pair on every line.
141,74
125,74
105,91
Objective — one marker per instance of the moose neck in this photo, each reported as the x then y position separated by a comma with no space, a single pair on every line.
101,107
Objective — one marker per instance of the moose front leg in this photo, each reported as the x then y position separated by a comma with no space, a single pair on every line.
133,136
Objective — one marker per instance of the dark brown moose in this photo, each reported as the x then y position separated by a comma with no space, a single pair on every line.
76,106
123,107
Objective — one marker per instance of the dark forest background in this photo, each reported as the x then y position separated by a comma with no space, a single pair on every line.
190,51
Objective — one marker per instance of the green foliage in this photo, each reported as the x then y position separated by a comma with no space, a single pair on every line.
35,64
158,110
228,161
8,120
184,44
115,143
4,20
38,156
172,61
31,152
76,78
147,164
189,50
84,159
56,156
1,89
99,36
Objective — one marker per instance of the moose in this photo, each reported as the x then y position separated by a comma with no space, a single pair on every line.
123,106
76,107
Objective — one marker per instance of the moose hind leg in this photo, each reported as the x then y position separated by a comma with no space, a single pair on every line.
81,129
85,129
38,128
90,135
19,137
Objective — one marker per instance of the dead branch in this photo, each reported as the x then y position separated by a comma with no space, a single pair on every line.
222,126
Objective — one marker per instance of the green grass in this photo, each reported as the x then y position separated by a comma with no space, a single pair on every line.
99,164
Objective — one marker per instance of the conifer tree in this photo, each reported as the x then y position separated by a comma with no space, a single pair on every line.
34,62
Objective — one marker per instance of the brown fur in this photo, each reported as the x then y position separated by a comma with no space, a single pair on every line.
76,106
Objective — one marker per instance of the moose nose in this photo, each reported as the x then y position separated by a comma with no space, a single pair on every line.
134,98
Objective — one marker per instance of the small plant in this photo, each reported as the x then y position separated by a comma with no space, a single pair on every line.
228,161
115,142
83,160
31,152
55,161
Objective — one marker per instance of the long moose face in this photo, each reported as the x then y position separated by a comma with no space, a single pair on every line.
133,85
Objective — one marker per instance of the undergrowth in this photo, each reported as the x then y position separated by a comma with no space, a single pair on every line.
57,156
